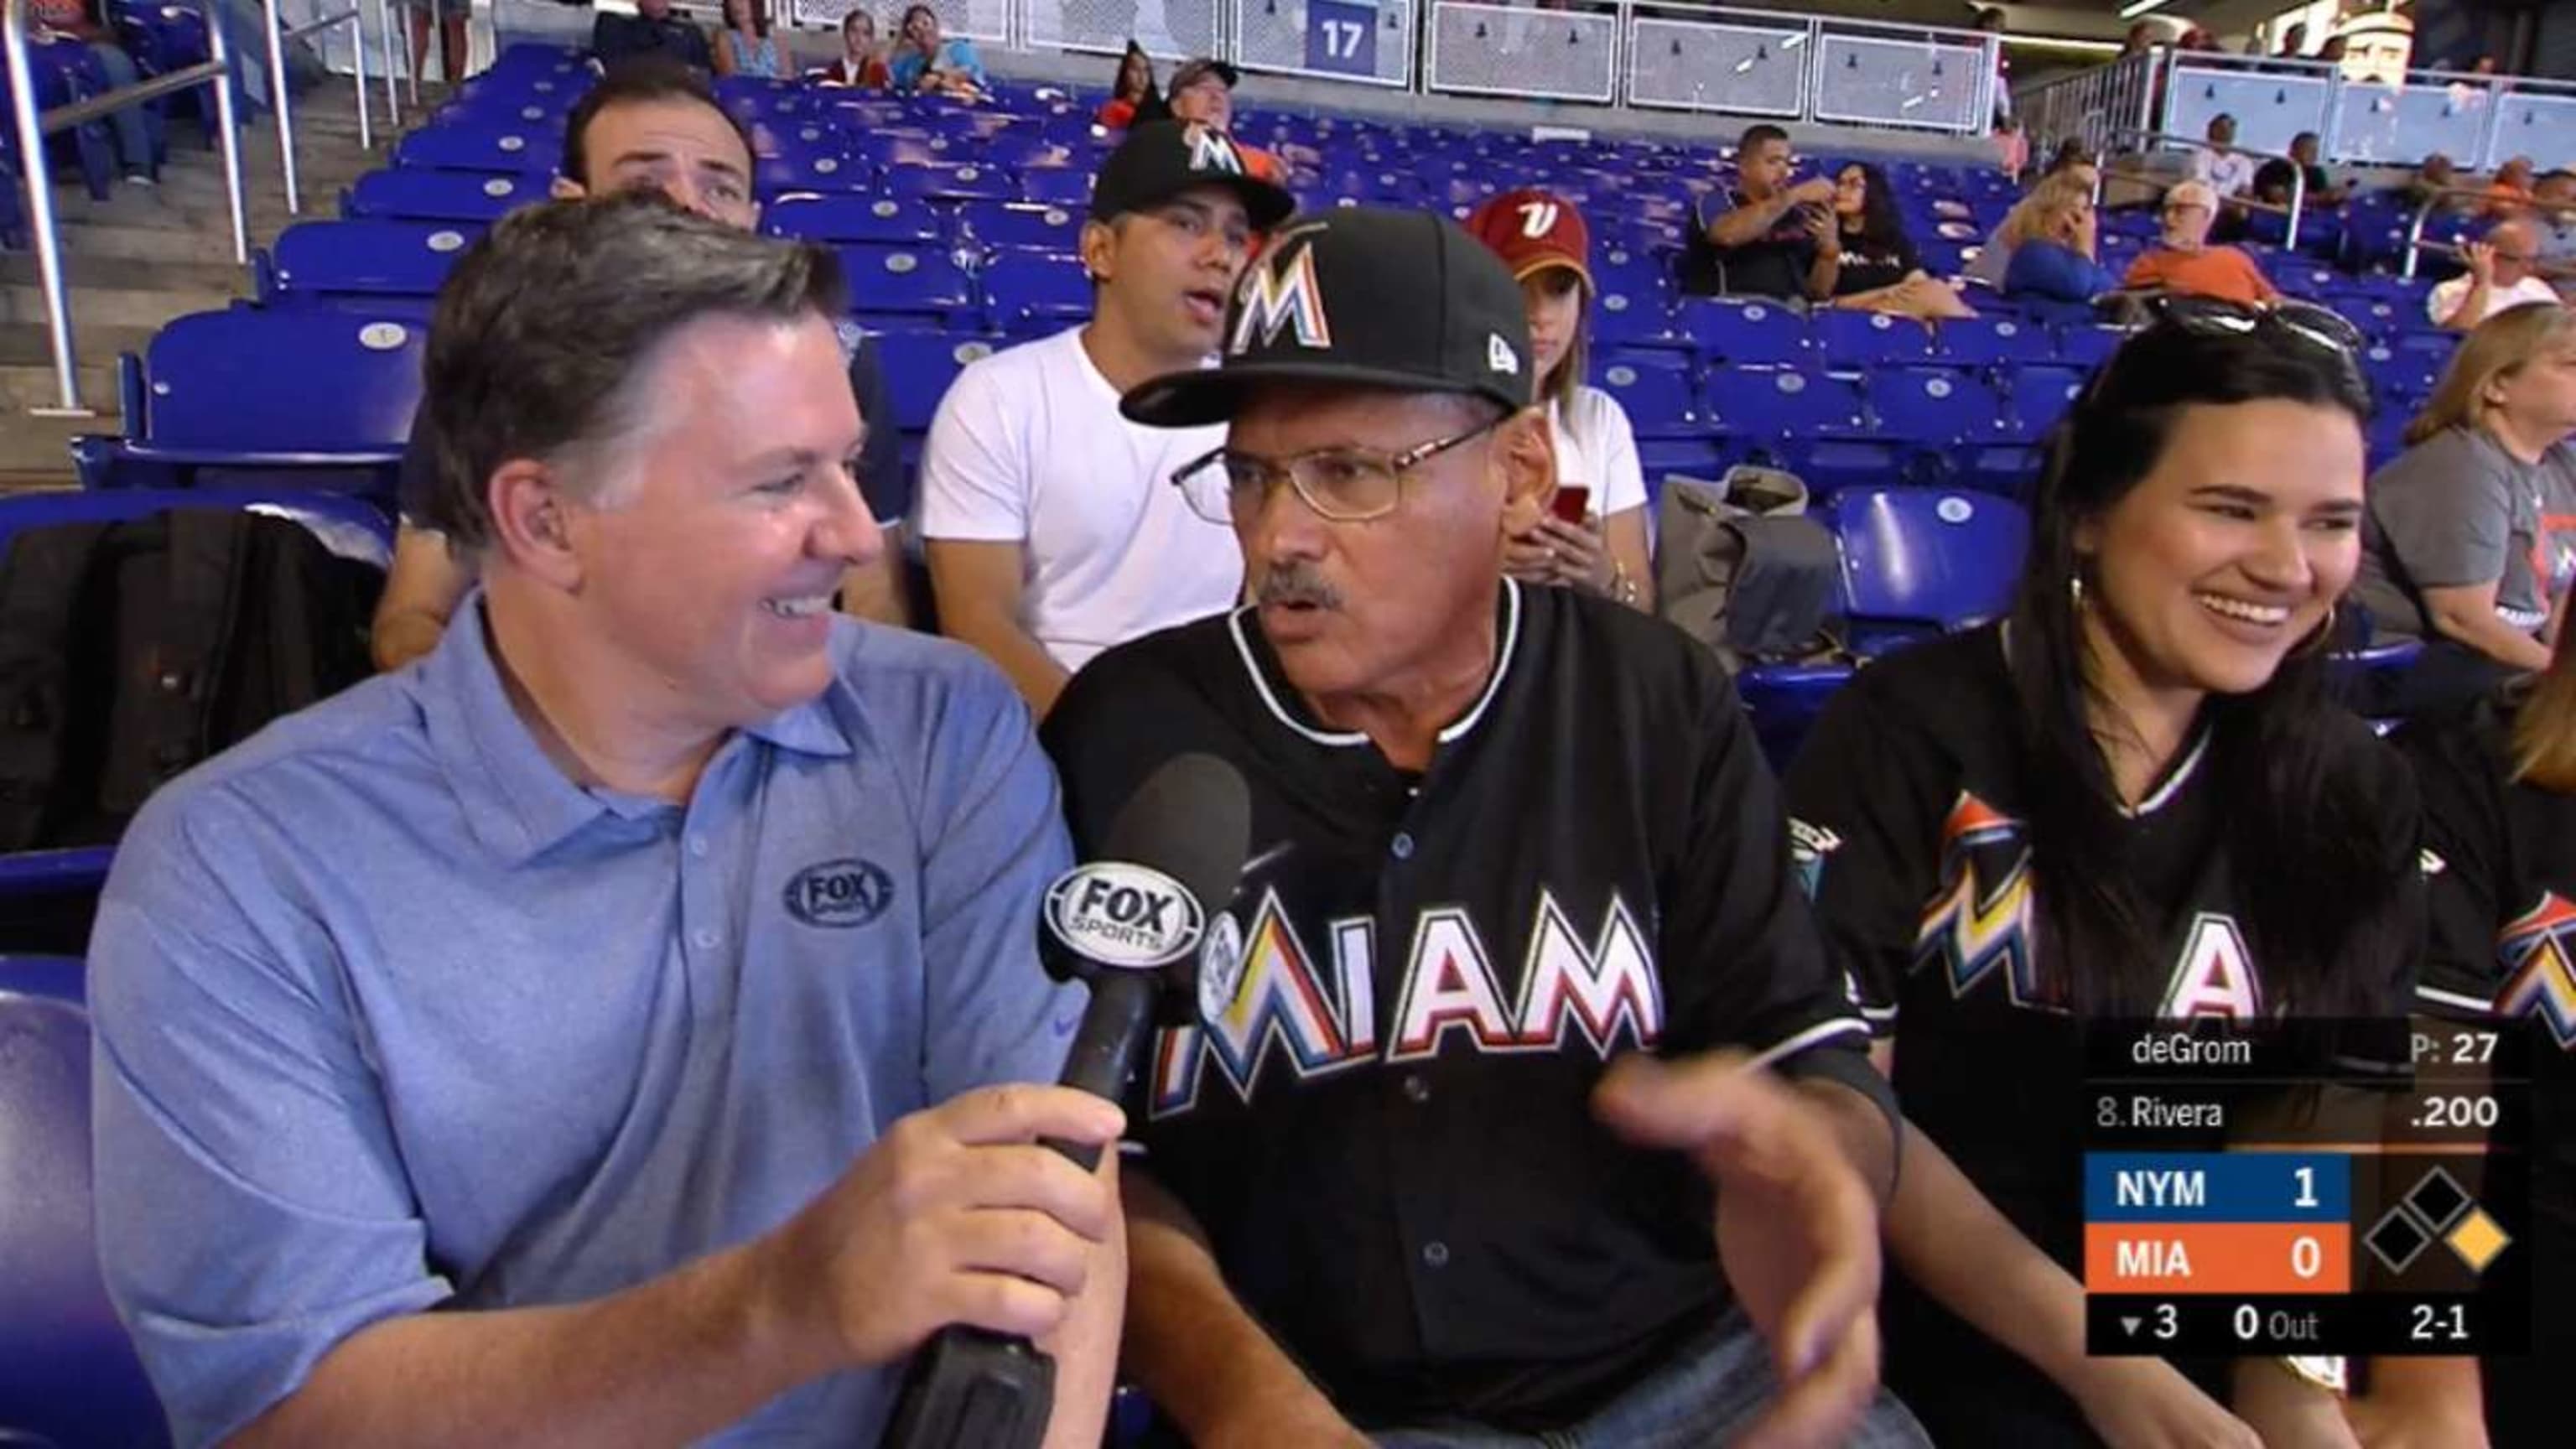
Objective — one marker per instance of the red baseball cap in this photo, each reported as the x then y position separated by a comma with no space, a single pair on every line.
1533,230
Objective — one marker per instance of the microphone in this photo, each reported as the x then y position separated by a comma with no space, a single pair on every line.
1133,924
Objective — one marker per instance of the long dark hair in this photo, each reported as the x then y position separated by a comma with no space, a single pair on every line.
2299,802
1881,229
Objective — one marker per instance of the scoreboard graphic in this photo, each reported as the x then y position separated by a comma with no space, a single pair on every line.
2245,1195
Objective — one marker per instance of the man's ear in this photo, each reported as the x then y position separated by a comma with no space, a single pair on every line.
532,522
1099,249
1525,449
567,189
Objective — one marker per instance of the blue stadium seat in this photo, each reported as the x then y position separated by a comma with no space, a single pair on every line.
1737,331
1058,186
820,170
1622,320
919,366
405,195
1653,385
1920,561
1784,700
320,395
521,150
2088,347
1998,341
906,281
1869,339
1767,403
1029,292
853,219
68,1372
2035,398
967,182
1015,226
341,261
1937,406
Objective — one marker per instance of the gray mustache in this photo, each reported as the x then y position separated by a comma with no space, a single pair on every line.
1297,584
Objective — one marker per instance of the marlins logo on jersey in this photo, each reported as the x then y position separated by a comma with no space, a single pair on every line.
1319,1017
1979,925
2538,952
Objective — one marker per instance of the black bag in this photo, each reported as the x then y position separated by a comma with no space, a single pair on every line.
1741,568
130,651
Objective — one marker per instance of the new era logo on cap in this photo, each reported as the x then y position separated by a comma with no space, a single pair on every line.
1499,356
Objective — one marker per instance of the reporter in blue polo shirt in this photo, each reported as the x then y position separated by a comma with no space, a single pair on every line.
630,981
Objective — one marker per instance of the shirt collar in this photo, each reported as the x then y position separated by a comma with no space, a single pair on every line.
1288,707
517,801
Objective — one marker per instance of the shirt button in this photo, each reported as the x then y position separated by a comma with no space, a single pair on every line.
1436,1253
698,846
1402,845
707,940
1416,1089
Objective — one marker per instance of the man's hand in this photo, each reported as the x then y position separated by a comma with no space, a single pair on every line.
2144,1403
1797,1229
1814,191
955,1216
1827,232
2481,259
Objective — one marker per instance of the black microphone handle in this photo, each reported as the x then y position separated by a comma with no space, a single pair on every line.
1114,1029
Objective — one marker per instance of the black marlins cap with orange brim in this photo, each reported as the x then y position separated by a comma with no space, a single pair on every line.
1359,297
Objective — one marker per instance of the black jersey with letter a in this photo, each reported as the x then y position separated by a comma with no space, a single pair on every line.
1906,806
2501,861
1384,1120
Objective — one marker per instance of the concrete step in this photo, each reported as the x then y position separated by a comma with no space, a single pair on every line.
118,306
37,451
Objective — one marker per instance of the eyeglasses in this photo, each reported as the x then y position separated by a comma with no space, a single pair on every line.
2210,317
1344,485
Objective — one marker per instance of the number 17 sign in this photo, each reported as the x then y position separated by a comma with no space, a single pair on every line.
1341,37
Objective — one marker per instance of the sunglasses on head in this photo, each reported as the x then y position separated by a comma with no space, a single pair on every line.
2306,322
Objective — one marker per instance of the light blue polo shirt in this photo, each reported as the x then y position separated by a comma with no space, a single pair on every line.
392,1014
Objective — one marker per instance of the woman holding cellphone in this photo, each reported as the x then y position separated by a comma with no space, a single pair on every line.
2129,800
1595,537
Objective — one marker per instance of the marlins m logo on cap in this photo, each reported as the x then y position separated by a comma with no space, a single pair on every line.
1279,292
1214,151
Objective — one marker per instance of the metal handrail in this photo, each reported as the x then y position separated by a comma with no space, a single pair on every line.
2298,173
278,35
33,126
2415,243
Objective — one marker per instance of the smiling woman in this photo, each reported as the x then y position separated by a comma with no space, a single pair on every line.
2131,799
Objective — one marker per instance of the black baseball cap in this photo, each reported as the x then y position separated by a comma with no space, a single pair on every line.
1190,72
1161,159
1402,300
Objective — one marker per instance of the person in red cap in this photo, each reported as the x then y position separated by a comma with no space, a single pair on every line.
1602,545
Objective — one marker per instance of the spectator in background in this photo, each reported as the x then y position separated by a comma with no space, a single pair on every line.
2510,193
2334,50
744,45
1775,239
1880,270
2184,262
2553,216
2226,170
2038,214
927,62
862,65
1543,239
2055,260
2503,273
2322,191
1053,527
1133,96
453,44
2470,542
2294,41
649,125
651,31
1202,93
1990,21
2434,181
70,22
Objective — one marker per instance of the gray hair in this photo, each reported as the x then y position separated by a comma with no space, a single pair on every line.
545,328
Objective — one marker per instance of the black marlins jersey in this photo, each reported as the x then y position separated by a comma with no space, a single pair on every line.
2501,860
1383,1119
1906,806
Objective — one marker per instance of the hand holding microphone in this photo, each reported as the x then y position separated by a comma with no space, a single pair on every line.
1131,924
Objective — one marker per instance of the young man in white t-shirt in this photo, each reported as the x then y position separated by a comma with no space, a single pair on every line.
1052,526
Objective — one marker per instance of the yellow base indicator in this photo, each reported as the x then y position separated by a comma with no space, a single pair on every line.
2477,1240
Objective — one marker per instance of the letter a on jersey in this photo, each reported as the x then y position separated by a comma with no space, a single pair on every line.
1280,294
2215,976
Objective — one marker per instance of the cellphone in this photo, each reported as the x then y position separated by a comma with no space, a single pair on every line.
1572,501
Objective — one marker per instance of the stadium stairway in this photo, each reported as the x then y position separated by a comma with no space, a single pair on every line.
146,255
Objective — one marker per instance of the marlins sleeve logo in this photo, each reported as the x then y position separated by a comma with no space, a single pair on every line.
2538,953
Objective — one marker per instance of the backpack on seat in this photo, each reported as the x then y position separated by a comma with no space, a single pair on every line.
131,650
1741,568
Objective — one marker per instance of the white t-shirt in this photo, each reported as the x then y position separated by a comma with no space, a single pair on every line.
1028,447
2445,299
2228,175
1600,452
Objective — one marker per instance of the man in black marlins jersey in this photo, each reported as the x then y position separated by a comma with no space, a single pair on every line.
1502,838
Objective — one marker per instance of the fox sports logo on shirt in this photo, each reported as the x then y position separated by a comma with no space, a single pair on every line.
1124,915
